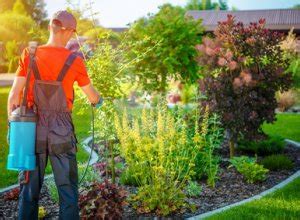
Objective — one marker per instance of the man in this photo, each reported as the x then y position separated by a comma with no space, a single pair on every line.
50,93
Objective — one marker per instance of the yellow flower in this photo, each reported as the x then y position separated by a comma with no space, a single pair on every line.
42,212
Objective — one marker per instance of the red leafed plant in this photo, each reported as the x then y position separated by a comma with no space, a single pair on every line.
102,201
12,194
243,68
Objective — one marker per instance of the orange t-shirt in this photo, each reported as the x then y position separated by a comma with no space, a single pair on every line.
50,61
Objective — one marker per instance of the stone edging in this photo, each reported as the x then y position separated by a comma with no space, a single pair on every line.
256,197
85,145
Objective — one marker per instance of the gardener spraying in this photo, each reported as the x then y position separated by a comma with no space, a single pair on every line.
51,71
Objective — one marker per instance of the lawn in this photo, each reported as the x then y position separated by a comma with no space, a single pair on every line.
286,125
82,126
282,204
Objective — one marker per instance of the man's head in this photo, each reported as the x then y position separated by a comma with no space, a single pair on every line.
62,26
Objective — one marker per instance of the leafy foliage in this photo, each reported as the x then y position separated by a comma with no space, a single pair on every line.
102,201
277,162
272,145
12,194
171,37
248,167
160,154
193,189
244,68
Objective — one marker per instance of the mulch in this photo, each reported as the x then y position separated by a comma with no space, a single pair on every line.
230,188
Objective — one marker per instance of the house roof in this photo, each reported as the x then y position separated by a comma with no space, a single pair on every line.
118,29
276,19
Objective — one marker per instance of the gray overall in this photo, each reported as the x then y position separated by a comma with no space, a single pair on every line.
55,139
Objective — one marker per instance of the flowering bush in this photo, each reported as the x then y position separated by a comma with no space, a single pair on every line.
244,67
160,155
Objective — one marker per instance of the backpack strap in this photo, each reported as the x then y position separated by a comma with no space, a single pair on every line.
66,67
35,69
32,51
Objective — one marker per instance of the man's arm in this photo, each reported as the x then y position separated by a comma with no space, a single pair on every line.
15,93
92,94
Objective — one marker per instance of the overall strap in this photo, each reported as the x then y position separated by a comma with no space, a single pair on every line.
66,66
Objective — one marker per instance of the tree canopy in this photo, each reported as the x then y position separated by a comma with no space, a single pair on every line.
206,5
165,45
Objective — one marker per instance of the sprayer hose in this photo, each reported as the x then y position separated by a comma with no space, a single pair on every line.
92,147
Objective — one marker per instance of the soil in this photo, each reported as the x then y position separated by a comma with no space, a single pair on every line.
230,188
9,208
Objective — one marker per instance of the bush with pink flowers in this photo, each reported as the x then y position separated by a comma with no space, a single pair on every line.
244,67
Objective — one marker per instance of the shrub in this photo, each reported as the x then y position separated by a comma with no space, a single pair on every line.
244,67
12,194
161,156
193,189
286,100
248,167
277,162
272,145
102,201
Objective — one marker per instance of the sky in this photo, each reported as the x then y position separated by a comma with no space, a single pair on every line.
118,13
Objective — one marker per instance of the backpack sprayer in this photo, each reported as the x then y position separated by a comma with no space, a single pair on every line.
22,132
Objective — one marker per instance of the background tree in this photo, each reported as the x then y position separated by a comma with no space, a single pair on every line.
36,9
206,5
171,38
296,6
19,8
6,5
16,29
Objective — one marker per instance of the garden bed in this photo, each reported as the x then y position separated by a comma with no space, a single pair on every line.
230,188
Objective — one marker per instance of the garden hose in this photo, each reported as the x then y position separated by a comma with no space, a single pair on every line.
93,144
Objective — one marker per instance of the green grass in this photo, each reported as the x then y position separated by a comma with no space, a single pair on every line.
286,126
282,204
82,126
6,177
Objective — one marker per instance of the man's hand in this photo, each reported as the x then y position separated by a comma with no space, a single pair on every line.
99,104
15,93
91,93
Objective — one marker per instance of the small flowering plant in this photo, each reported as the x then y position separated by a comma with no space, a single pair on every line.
243,68
161,157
